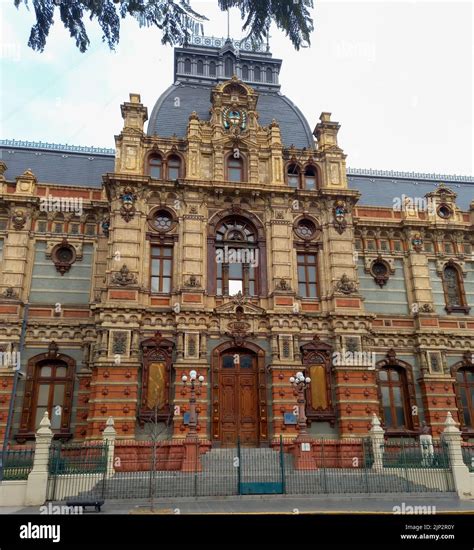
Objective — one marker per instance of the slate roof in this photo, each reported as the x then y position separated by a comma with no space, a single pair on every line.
58,166
82,166
166,119
379,188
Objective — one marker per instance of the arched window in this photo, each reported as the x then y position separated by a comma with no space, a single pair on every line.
245,72
310,178
269,75
155,164
235,168
257,76
293,176
465,392
174,167
237,257
200,67
49,387
453,290
229,66
187,66
394,396
212,68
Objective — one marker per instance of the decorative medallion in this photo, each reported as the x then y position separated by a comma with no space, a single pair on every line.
124,277
234,118
340,211
128,198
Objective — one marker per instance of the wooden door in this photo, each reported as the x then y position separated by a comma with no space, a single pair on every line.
238,398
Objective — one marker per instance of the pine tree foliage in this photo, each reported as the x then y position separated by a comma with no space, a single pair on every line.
176,19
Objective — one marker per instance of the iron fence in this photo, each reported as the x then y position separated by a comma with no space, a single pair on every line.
77,472
17,464
320,466
468,455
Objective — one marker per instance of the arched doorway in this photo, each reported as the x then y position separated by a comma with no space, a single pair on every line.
238,401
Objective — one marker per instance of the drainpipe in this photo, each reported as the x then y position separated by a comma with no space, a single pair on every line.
16,376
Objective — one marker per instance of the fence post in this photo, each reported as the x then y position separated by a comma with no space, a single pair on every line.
377,441
108,436
38,477
463,480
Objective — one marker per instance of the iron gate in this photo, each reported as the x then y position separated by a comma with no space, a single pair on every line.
77,472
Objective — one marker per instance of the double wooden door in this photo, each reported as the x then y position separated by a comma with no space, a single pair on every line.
238,398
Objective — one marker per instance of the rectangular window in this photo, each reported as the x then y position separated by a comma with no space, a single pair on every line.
307,278
161,268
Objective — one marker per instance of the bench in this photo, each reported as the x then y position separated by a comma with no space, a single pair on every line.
85,503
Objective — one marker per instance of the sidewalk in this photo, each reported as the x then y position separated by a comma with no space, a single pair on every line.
275,504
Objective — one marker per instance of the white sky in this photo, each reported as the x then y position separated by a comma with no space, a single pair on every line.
398,76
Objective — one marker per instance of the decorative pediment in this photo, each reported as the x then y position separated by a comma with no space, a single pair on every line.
240,306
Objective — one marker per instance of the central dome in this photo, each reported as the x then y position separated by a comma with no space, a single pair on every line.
198,69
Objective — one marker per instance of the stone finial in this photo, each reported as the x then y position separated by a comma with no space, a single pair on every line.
109,430
45,425
376,426
450,425
110,422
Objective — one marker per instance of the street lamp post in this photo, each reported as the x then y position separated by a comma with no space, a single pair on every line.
193,378
300,383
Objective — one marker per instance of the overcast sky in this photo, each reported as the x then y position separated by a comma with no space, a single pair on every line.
398,76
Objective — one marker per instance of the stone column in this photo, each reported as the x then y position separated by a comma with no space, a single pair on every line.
377,440
108,436
38,478
463,479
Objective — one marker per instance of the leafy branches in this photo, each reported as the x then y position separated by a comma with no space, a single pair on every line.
177,20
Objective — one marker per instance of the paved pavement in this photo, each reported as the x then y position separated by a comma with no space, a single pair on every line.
275,504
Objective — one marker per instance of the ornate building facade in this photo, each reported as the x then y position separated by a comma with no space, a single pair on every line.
224,236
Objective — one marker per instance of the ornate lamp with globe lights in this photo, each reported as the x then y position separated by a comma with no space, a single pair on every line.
300,383
193,379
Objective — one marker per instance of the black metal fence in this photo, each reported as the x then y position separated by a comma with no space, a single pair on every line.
77,471
325,467
17,464
468,455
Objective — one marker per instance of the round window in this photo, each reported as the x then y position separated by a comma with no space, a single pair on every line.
305,229
379,269
162,220
444,211
65,254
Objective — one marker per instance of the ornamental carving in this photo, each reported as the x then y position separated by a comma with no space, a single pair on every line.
283,285
417,242
128,198
18,219
10,293
346,285
63,256
339,212
105,225
119,342
238,331
124,277
192,282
